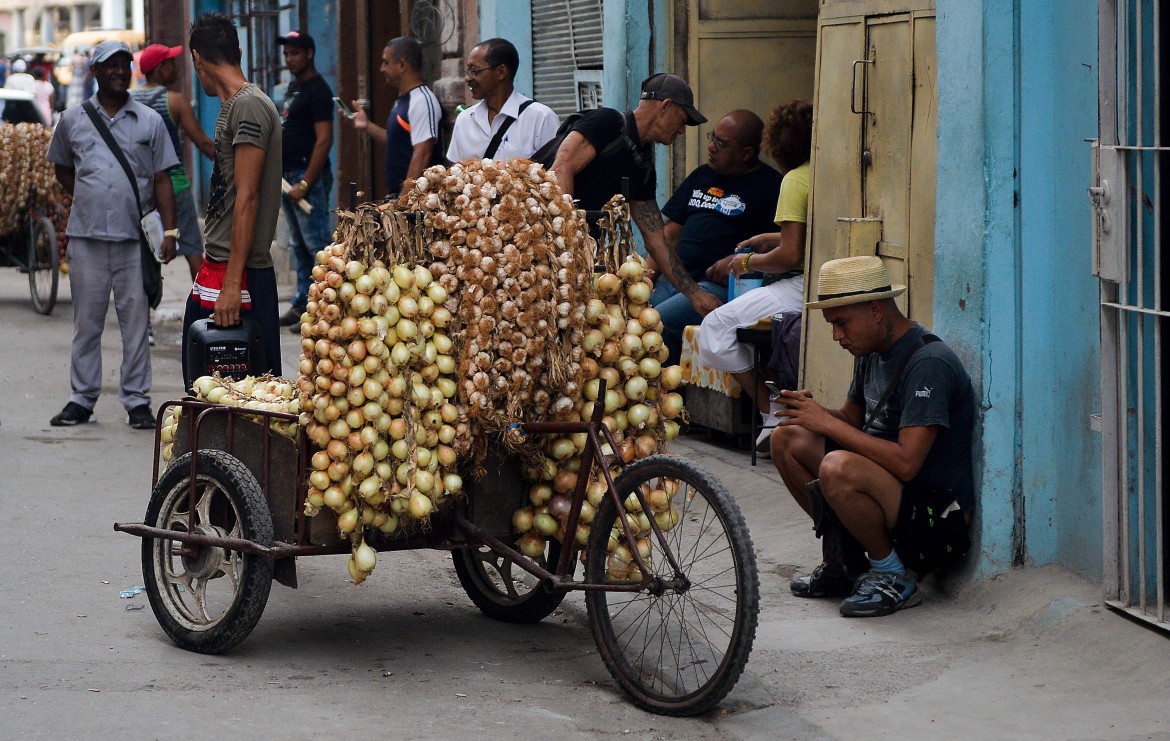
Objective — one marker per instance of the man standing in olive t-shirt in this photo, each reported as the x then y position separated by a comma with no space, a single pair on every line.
237,279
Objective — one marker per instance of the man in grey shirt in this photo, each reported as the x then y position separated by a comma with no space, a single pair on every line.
893,464
103,231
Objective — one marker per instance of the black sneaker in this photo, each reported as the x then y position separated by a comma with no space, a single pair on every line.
292,317
881,593
823,582
140,417
295,328
72,414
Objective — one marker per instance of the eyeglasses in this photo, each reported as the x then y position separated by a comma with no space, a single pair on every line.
473,71
720,145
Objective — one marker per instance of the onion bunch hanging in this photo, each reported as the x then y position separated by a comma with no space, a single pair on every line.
520,255
623,346
25,170
376,382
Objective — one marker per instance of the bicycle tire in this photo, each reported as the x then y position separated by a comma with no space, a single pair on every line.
488,580
44,265
636,632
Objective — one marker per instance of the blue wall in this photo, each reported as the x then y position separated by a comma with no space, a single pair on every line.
511,20
1013,288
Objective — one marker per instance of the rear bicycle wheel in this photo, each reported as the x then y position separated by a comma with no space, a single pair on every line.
504,591
678,646
44,261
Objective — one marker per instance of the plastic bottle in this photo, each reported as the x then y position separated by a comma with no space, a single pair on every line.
739,286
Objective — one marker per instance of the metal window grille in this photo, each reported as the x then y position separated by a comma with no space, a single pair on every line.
1129,195
567,54
262,60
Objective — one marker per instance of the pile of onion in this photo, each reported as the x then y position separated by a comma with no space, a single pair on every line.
24,168
623,345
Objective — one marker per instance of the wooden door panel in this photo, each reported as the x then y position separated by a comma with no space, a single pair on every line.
835,193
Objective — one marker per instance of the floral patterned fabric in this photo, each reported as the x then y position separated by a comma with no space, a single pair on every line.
697,374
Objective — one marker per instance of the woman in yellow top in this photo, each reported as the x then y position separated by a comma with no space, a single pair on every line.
789,137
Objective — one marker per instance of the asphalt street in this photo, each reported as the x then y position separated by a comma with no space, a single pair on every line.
1029,654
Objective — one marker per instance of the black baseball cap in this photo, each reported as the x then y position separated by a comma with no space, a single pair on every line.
299,39
665,86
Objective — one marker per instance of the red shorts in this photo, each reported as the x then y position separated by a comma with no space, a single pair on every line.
210,280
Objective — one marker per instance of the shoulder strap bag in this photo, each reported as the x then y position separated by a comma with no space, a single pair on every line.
498,139
151,265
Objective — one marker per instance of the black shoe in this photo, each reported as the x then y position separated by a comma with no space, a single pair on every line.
295,328
140,417
72,414
291,317
823,582
882,593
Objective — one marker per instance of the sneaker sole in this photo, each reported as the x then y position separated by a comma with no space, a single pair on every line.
882,610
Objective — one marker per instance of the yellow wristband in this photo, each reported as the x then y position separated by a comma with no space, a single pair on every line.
303,184
747,257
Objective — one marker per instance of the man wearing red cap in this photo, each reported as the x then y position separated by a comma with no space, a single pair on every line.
158,63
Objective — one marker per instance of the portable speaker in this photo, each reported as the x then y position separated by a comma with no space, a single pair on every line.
232,351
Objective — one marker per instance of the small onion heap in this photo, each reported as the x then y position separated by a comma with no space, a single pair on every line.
623,345
376,383
266,393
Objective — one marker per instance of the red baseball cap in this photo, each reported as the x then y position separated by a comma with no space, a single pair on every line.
155,54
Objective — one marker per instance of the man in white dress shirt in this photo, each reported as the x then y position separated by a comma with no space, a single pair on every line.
504,124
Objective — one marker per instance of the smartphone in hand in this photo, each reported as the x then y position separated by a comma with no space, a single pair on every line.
775,389
349,112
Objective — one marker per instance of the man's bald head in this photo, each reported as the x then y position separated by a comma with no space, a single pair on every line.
748,128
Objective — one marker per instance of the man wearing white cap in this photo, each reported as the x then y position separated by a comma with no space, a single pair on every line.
890,471
104,229
20,79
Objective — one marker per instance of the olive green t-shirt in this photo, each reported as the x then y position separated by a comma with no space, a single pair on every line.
248,117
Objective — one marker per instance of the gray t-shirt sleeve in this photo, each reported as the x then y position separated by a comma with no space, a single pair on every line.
928,387
60,149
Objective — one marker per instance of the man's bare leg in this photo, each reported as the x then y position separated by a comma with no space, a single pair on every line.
797,455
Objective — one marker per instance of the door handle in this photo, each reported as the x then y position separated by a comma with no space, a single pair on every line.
864,86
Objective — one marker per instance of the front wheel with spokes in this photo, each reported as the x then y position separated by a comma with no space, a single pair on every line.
678,645
207,598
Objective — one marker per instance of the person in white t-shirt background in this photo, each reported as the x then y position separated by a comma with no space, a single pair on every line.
43,93
527,124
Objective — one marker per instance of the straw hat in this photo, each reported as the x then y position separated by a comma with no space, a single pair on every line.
853,280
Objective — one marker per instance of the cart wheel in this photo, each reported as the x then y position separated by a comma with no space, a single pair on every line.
504,591
44,263
209,599
678,646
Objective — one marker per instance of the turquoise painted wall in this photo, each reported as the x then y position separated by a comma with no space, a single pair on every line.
1062,471
1013,288
511,20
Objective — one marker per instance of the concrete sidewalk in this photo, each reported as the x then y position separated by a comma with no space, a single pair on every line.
1030,654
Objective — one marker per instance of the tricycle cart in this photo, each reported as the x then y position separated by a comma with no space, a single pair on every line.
32,247
227,517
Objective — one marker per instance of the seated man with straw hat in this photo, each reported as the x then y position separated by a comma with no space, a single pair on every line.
887,478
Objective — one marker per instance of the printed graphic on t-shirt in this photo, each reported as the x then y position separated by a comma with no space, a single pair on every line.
715,200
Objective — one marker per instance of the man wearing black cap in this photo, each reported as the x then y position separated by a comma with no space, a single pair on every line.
307,125
591,168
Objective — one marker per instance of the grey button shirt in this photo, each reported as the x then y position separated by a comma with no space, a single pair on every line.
103,202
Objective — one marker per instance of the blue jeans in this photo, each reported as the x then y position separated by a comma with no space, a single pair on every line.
677,312
307,233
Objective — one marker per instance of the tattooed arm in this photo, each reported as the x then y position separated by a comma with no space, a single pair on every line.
649,220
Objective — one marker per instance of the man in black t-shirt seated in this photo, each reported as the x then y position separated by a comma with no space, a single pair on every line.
592,174
720,204
890,472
